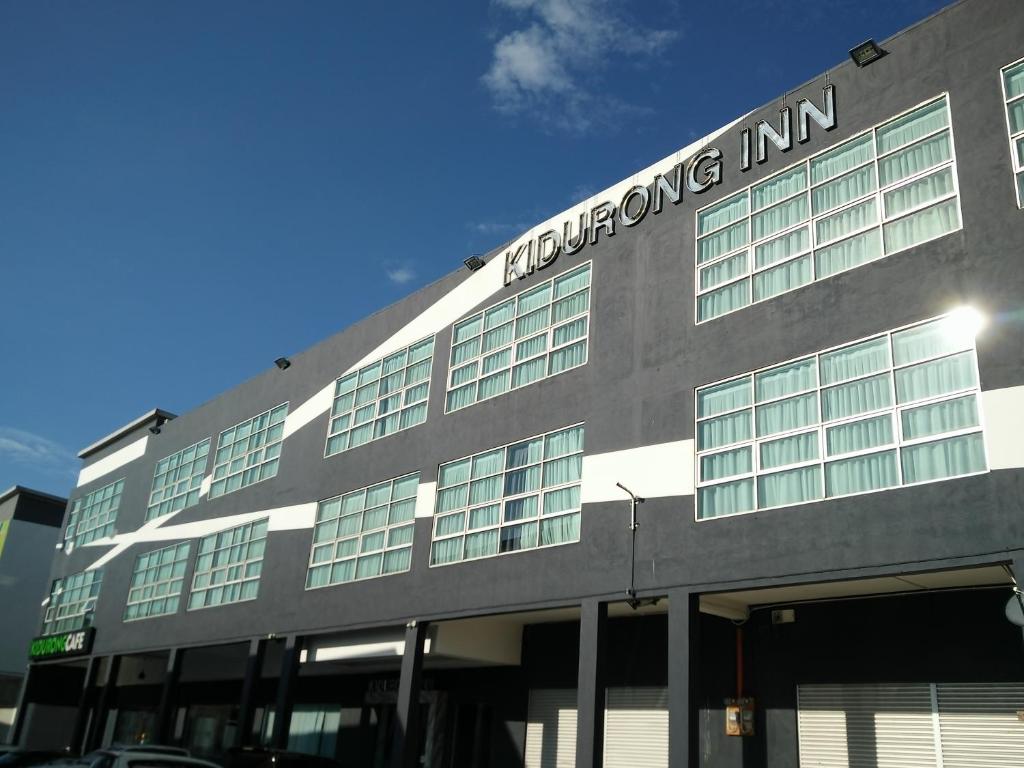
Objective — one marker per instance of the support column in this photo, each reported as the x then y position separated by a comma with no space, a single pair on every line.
99,715
1018,573
250,685
286,691
168,696
406,743
590,688
683,679
74,745
20,712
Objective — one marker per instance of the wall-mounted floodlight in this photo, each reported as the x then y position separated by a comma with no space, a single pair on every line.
282,363
155,430
474,263
865,53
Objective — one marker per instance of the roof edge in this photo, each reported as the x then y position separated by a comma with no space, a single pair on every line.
155,414
14,490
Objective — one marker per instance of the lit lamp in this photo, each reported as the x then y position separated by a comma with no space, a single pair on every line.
474,262
865,53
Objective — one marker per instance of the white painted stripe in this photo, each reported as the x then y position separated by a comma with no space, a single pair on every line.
425,495
116,460
204,485
651,471
1004,427
319,403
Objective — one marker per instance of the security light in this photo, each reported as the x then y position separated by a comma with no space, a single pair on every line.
474,263
155,430
865,53
282,362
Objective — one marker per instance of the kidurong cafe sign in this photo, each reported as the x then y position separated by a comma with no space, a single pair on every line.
76,643
702,171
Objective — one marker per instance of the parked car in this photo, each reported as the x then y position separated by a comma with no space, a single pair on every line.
142,757
15,757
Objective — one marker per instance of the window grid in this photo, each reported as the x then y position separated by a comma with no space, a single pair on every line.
821,428
228,566
1012,81
176,480
71,599
93,516
364,534
384,397
157,582
517,531
513,359
878,203
248,452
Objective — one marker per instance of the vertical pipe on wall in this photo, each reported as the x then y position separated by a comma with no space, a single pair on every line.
590,687
250,686
405,751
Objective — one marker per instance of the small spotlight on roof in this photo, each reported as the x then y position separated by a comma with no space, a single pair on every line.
474,263
865,53
155,430
282,362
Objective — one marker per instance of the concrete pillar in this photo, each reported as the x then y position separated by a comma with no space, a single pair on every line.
590,687
250,685
168,696
75,743
683,678
99,716
21,708
406,743
286,691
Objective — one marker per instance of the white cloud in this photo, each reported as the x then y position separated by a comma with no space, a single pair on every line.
552,66
35,451
401,274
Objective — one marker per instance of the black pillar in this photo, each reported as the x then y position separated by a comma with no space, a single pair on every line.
21,708
168,697
74,746
250,685
683,679
590,688
406,743
99,715
1017,566
286,691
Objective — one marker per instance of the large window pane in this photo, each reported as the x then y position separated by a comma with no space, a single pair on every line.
783,247
724,271
789,450
722,242
937,377
844,190
848,253
860,396
861,473
921,226
726,464
785,380
919,192
725,212
726,498
782,216
912,126
723,300
784,415
854,361
846,221
944,458
946,416
914,159
785,277
723,397
842,159
934,339
731,428
859,435
793,486
778,187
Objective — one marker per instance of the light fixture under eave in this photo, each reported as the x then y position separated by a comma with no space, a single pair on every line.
283,363
964,324
866,52
474,263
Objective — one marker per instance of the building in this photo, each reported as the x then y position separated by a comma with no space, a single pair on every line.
797,341
30,523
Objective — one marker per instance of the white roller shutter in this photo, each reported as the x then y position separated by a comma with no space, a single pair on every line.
979,724
551,728
636,728
856,726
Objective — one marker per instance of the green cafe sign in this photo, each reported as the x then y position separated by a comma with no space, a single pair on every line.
74,643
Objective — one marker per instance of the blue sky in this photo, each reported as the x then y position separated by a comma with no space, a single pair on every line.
191,189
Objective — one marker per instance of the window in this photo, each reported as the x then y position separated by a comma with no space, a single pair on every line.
93,516
889,189
522,496
176,480
248,452
381,398
72,601
364,533
896,409
228,566
1013,93
540,332
157,582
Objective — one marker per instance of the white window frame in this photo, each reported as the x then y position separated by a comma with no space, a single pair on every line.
810,222
154,585
75,535
263,447
244,563
549,349
192,483
58,611
1015,160
821,427
502,499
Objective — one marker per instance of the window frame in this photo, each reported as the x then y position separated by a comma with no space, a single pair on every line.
821,427
243,564
263,447
174,496
1016,161
878,195
87,604
549,332
501,500
154,584
74,539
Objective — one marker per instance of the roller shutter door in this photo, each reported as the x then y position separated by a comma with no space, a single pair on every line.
551,728
866,726
979,724
636,728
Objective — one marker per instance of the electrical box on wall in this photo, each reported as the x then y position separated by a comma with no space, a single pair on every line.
739,717
783,616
